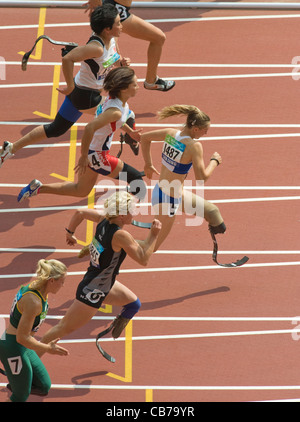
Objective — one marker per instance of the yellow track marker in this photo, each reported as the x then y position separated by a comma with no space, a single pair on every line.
39,46
72,158
149,395
54,96
128,356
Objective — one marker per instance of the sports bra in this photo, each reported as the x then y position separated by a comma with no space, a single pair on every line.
172,152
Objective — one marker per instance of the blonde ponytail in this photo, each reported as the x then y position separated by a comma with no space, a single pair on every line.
195,117
47,269
119,203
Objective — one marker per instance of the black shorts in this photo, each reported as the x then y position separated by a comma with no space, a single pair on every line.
94,288
84,98
123,10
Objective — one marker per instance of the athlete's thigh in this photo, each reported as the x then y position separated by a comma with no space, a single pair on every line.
138,28
119,295
166,226
87,181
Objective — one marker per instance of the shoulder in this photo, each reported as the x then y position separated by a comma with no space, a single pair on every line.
31,303
122,239
196,148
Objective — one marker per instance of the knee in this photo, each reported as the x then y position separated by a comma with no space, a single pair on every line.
212,215
58,127
161,38
131,309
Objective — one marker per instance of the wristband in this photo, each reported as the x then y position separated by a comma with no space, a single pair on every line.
69,231
215,160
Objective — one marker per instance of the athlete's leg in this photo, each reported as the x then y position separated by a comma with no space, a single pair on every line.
120,295
138,28
41,382
34,136
167,224
76,316
81,188
209,211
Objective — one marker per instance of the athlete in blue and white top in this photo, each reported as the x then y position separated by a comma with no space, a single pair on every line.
181,150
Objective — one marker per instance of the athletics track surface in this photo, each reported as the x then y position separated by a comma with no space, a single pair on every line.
204,333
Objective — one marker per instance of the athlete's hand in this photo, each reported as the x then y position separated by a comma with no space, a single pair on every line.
57,350
67,90
83,163
71,239
156,227
125,61
217,156
91,5
150,170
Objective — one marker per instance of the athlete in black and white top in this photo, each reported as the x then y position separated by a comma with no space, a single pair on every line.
108,250
83,93
138,28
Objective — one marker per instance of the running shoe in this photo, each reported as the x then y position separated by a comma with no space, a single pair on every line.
30,190
6,152
160,85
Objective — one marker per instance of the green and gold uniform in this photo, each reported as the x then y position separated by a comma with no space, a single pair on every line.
24,369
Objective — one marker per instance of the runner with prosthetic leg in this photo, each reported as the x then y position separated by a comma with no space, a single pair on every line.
181,151
83,93
108,249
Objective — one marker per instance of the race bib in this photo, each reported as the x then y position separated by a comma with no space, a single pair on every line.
95,251
172,151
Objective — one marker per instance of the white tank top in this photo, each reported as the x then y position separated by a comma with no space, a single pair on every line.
102,138
93,71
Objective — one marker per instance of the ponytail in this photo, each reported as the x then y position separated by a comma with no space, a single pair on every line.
47,269
195,117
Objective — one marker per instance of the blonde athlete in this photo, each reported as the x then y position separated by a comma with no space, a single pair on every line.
181,151
19,350
108,250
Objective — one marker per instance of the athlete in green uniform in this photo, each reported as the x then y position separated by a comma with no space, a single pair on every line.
19,350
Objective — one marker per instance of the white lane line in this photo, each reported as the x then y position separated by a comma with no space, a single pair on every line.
174,387
197,187
178,65
206,139
159,252
171,269
213,125
186,336
187,319
148,204
174,78
170,20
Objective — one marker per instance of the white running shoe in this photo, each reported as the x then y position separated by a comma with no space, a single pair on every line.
6,152
160,85
30,190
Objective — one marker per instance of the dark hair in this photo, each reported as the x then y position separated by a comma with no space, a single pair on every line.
103,17
117,79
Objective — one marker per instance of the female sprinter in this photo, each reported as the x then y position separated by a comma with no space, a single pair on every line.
181,151
19,350
97,57
108,250
138,28
121,83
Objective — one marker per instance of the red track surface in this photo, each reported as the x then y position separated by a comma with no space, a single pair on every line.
205,369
